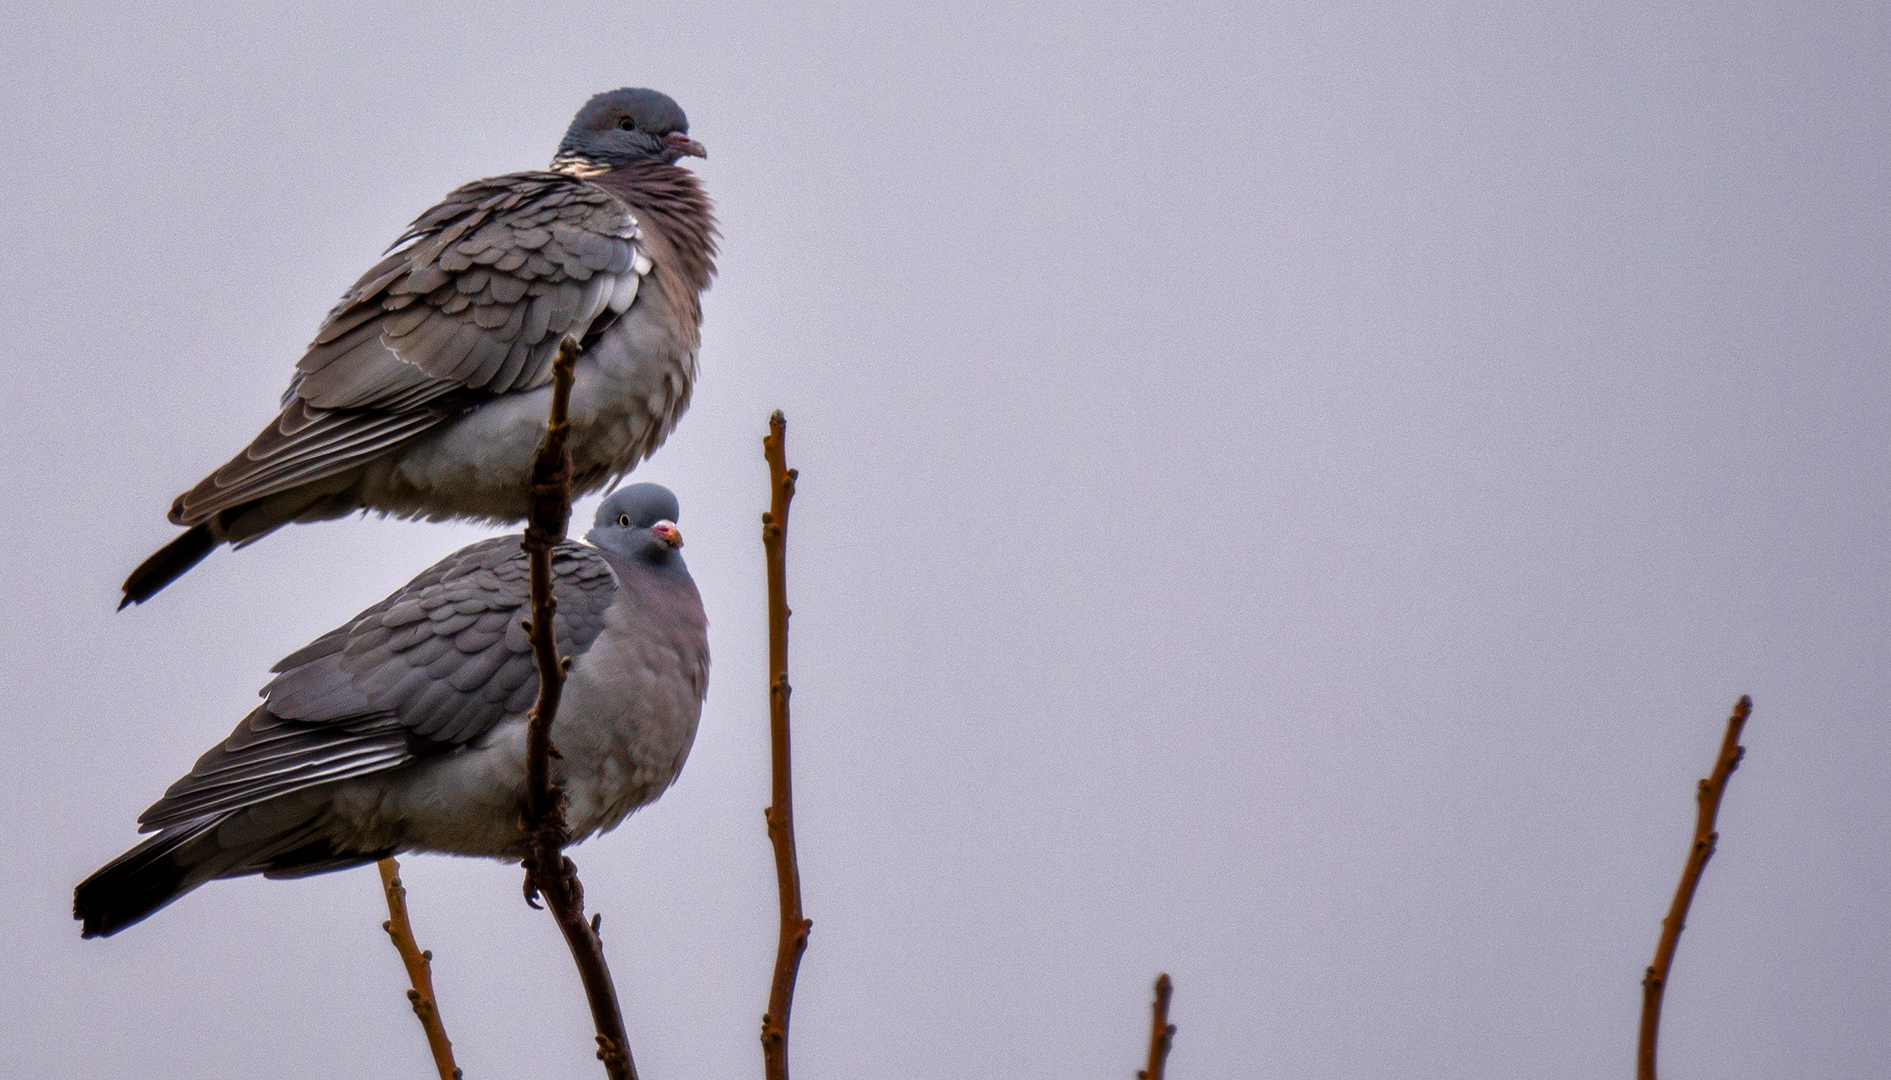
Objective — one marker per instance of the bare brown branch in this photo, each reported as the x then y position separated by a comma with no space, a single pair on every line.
419,969
551,516
794,926
1161,1032
548,872
1656,979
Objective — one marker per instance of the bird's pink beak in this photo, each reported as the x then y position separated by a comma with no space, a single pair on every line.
667,532
684,145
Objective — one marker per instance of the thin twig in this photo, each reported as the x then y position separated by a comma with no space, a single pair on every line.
548,872
1161,1032
794,927
419,968
1656,979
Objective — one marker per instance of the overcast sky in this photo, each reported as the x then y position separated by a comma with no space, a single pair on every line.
1290,494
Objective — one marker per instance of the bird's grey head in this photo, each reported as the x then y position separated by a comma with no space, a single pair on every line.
622,126
639,523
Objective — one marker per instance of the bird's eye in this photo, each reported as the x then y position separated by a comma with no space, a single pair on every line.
624,520
627,124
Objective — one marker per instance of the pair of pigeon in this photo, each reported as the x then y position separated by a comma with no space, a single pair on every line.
425,394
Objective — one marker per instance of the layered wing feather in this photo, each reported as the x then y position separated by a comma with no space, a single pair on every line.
470,302
478,292
431,668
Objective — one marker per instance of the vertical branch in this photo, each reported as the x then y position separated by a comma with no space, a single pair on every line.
548,872
419,969
794,927
544,530
1161,1032
1656,979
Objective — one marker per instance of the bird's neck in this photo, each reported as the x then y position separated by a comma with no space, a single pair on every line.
574,164
669,201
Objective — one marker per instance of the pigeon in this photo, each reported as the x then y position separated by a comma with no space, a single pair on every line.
405,729
426,389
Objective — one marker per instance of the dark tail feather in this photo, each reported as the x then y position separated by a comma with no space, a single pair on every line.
170,563
177,860
139,882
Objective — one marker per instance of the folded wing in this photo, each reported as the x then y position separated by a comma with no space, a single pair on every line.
431,668
469,304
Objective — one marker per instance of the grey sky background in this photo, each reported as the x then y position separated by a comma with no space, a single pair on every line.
1290,495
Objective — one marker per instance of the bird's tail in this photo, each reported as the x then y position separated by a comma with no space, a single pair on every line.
178,859
170,563
239,526
145,878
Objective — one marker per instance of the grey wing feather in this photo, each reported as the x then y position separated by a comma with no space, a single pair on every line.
459,297
304,444
436,665
470,302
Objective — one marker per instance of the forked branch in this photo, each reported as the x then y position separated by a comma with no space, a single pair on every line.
419,968
793,939
1656,979
548,872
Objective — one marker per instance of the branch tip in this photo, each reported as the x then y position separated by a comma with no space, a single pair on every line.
418,963
1161,1032
1708,794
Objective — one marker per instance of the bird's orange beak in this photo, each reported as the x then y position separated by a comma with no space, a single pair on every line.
667,532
